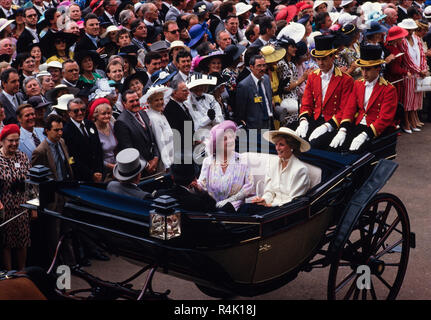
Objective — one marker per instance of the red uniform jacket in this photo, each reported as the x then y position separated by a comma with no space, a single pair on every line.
336,97
381,110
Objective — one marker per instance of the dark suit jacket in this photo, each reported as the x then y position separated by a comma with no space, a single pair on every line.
201,202
257,43
176,117
87,153
127,189
9,110
24,40
85,44
130,134
12,17
253,113
42,155
104,18
214,21
401,15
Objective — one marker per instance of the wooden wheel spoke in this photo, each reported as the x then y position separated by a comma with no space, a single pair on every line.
345,281
384,281
388,232
387,249
356,294
382,224
373,291
350,291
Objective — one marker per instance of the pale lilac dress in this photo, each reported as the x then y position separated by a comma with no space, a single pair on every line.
236,182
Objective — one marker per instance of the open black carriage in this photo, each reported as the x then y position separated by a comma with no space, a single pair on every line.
342,222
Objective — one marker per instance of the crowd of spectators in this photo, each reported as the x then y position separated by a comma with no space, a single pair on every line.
83,81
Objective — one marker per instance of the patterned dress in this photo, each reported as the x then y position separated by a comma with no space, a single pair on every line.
13,172
221,186
287,72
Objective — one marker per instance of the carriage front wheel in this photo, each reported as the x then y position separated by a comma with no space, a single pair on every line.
373,260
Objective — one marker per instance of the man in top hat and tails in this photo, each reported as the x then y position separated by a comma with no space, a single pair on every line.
325,95
372,105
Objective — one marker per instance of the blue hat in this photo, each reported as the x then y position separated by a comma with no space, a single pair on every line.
160,77
376,16
196,33
375,27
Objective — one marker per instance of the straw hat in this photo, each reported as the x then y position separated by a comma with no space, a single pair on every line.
408,24
269,135
201,80
177,44
109,29
128,164
271,54
62,101
293,30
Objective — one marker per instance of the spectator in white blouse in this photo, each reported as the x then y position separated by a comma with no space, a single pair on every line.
156,98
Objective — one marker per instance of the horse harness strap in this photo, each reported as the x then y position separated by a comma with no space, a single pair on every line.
12,274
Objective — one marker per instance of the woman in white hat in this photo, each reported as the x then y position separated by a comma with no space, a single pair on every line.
156,98
287,176
415,61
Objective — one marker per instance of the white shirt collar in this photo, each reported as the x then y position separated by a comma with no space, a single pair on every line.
183,75
41,9
78,125
329,73
148,23
405,10
263,41
372,83
256,80
25,131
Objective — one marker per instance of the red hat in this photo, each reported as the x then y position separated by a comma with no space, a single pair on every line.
287,13
395,33
303,5
9,129
94,105
96,4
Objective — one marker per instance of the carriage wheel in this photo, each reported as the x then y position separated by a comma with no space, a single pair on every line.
379,245
214,292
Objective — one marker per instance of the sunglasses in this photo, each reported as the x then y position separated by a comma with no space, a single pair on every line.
76,111
174,31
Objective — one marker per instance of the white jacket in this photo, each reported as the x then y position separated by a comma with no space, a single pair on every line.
281,186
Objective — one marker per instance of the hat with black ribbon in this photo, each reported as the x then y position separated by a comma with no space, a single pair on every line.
325,46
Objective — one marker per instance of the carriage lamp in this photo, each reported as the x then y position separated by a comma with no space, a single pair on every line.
37,175
165,220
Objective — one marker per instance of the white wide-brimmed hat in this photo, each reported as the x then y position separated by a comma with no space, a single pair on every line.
318,3
201,80
334,16
242,8
269,135
158,89
427,12
62,101
408,24
293,30
4,23
345,3
346,18
128,164
54,64
110,29
178,44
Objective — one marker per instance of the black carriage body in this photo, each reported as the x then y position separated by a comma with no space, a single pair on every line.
243,255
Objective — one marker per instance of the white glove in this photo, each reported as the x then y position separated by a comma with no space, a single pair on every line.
302,128
339,138
320,130
221,203
358,141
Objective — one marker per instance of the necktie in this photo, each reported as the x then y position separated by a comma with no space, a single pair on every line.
202,97
141,122
35,139
63,174
15,101
81,125
187,111
261,93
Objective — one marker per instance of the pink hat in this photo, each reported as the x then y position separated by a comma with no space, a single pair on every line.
218,131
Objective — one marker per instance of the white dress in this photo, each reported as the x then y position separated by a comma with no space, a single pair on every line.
164,136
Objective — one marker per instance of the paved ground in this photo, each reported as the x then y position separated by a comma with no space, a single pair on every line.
411,182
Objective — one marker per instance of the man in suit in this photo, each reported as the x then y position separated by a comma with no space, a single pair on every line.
267,29
30,137
231,26
171,32
178,115
184,64
139,33
253,99
29,35
175,10
127,171
187,191
326,93
9,97
152,62
70,73
371,107
110,7
90,40
133,130
151,16
82,140
402,9
6,10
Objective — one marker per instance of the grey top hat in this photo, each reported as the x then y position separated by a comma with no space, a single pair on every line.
128,164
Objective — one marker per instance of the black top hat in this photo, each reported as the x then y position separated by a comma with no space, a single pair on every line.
37,102
183,174
371,55
324,46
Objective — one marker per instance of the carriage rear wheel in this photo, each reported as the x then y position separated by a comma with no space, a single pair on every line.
373,260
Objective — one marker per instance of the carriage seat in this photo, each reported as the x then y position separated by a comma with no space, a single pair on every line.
259,162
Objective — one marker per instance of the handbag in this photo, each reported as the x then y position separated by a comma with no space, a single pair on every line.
423,84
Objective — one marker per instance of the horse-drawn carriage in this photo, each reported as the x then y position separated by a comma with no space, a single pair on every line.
342,222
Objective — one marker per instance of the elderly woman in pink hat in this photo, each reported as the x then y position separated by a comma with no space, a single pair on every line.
224,175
